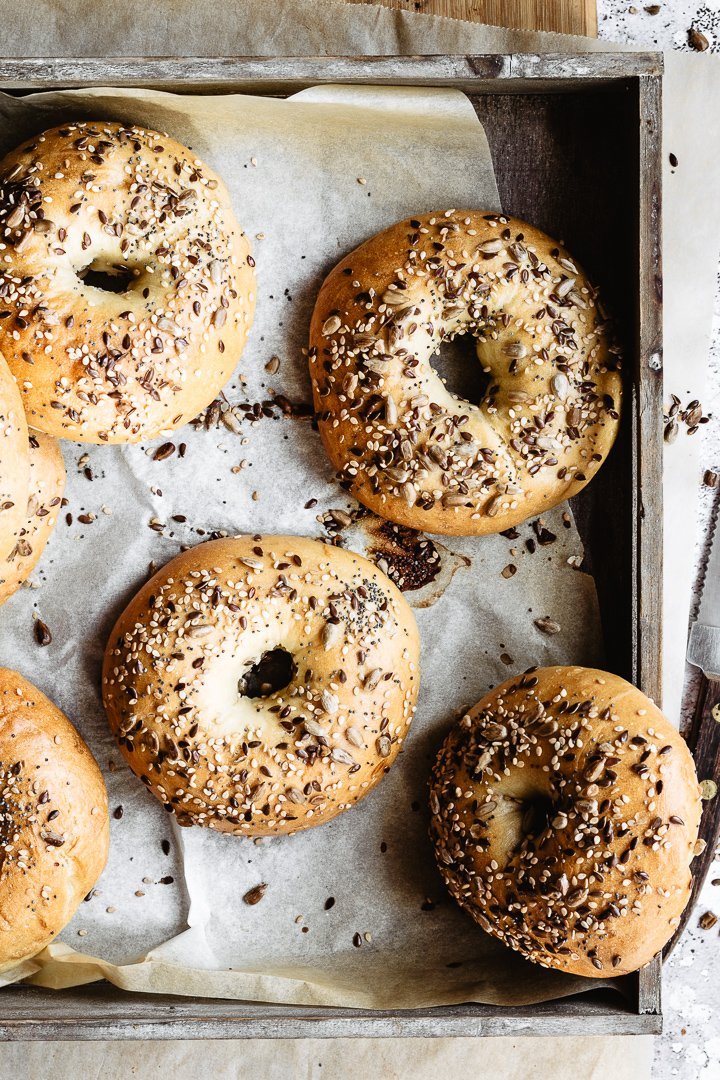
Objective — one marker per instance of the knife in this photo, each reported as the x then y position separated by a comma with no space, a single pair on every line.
703,738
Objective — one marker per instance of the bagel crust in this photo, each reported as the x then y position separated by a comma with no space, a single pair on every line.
565,812
47,483
410,450
54,826
97,365
14,461
180,683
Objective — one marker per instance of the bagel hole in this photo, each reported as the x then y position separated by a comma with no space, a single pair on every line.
456,363
272,672
537,812
112,279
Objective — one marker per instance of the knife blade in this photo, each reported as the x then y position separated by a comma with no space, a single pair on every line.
703,737
704,644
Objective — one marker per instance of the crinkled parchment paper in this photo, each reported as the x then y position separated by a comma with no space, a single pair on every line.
309,178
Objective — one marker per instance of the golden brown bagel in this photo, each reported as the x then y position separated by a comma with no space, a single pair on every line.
220,738
94,364
53,820
409,449
47,482
14,461
565,812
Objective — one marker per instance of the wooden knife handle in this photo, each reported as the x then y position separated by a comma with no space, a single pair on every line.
704,742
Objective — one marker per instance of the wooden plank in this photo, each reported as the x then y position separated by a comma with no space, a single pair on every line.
284,75
562,16
101,1011
648,447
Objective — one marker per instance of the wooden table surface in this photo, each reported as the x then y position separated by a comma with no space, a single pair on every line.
563,16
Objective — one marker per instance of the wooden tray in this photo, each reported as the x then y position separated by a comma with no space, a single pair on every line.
576,144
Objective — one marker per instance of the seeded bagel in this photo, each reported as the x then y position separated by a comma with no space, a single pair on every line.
127,284
53,820
261,685
47,482
14,461
409,449
565,812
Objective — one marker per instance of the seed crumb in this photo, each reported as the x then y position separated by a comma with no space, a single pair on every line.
254,896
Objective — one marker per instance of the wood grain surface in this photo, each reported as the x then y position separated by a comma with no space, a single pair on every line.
562,16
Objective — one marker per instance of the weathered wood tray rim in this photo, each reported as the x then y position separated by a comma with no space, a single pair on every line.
473,72
102,1011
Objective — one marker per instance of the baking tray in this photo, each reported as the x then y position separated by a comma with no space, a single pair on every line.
576,146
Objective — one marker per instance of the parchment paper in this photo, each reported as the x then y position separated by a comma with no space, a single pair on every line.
313,176
691,130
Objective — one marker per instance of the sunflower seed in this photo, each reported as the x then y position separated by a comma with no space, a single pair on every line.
565,286
330,702
331,634
671,432
576,897
485,810
518,251
15,217
231,421
313,728
331,325
372,678
595,770
355,737
383,746
560,385
337,754
394,297
494,732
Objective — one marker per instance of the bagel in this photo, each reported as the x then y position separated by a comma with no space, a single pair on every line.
117,206
53,820
47,483
261,685
410,450
14,461
565,812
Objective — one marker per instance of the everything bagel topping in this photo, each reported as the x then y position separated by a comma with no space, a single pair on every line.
123,280
266,686
564,810
406,446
